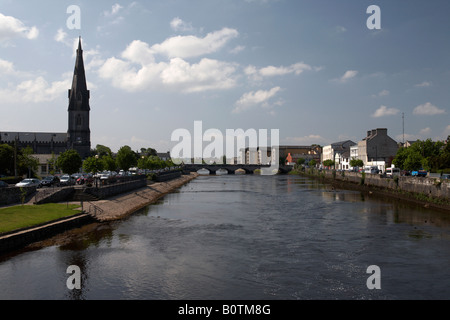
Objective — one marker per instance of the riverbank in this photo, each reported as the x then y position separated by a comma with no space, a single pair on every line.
120,206
113,208
425,192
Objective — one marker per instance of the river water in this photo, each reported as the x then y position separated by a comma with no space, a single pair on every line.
245,237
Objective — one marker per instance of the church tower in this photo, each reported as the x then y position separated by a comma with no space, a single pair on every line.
79,134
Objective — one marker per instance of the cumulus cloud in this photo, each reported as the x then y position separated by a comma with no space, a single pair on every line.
427,109
347,76
35,91
193,46
11,27
258,74
138,67
253,98
179,25
383,111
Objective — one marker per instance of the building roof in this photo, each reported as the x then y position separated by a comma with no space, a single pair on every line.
46,137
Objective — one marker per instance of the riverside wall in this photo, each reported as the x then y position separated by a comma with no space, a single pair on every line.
12,195
426,189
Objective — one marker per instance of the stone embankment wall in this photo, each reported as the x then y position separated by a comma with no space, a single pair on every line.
432,187
53,197
21,238
13,195
106,191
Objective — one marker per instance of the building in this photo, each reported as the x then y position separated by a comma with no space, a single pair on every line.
339,152
78,135
377,148
301,152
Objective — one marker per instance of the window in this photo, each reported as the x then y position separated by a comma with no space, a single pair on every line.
78,120
44,169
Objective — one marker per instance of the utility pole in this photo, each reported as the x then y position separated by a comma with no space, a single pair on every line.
403,124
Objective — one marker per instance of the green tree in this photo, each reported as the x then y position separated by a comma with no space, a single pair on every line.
312,163
126,158
300,161
93,164
26,162
356,163
6,159
328,163
103,151
413,161
109,163
69,161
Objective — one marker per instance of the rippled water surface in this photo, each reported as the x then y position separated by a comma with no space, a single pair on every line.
245,237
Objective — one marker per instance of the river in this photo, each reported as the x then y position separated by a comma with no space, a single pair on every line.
245,237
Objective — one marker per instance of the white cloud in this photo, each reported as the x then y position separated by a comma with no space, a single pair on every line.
340,29
382,93
258,74
114,10
138,69
424,84
425,132
383,111
446,131
179,25
60,36
252,98
347,76
11,27
192,46
427,109
35,91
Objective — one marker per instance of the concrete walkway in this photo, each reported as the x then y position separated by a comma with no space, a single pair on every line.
123,205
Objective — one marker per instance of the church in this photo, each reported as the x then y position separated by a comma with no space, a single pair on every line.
78,135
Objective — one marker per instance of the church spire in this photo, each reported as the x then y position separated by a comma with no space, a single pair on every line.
79,94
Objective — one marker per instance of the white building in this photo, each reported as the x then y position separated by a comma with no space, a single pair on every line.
339,152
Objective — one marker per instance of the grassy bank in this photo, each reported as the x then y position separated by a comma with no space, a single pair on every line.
18,217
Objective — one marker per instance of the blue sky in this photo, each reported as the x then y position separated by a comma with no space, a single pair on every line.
311,69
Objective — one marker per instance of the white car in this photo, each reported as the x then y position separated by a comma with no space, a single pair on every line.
29,183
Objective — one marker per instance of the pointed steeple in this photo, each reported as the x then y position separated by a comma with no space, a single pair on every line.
79,94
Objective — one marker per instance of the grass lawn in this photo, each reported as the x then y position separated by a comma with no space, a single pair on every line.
17,217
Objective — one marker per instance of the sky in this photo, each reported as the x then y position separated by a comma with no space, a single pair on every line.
314,70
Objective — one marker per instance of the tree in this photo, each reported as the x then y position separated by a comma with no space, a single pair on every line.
103,151
312,163
328,163
69,161
109,163
93,164
6,159
26,162
126,158
300,161
356,163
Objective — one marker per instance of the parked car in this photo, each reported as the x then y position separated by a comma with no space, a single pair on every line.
30,182
50,181
391,172
445,176
66,180
3,184
419,173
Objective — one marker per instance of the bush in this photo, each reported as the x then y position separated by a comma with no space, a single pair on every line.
363,178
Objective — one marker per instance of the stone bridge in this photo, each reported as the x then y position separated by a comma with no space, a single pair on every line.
231,168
